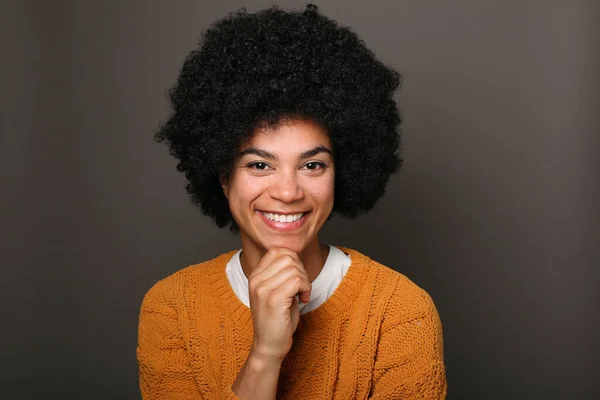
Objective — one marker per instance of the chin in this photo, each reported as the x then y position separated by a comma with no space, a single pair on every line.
295,245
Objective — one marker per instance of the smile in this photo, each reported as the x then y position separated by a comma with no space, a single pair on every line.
285,218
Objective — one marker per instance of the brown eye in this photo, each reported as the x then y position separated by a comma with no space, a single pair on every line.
261,166
314,165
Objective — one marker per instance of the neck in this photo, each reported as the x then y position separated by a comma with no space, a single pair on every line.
312,257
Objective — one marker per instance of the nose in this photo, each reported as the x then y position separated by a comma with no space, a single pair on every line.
286,188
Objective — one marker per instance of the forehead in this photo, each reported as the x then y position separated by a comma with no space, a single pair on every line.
295,134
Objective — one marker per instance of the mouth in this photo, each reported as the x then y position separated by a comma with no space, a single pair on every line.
288,222
283,218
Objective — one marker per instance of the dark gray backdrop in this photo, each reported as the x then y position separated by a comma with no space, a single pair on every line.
495,214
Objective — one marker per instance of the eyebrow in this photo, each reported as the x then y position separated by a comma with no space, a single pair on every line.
266,154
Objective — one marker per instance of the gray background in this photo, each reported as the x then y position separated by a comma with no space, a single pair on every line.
495,214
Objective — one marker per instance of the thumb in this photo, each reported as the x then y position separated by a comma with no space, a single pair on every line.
295,314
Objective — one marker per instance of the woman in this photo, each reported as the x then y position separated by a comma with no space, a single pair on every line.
279,120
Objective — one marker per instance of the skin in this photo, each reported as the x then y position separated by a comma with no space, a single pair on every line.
285,170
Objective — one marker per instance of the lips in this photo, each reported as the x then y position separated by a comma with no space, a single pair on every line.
279,222
284,218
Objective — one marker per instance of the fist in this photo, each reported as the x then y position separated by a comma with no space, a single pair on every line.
273,287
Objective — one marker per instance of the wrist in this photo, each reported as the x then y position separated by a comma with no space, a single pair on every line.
263,361
258,378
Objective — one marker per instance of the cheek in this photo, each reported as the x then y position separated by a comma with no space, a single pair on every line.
324,190
244,191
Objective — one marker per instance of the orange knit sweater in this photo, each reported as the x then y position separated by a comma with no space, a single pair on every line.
378,336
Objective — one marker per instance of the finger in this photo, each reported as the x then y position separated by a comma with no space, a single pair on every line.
289,289
295,314
280,277
280,270
274,267
270,256
277,262
304,297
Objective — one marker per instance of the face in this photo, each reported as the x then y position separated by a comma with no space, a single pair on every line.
281,187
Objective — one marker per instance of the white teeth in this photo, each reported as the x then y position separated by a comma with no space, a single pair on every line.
283,218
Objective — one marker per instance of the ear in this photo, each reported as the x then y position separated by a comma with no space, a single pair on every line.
223,181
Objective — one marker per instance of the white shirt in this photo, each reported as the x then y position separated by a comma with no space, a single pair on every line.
323,286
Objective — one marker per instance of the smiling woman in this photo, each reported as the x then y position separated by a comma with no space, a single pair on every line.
281,119
281,191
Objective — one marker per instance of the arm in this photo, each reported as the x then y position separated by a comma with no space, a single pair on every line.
273,287
257,379
163,360
409,362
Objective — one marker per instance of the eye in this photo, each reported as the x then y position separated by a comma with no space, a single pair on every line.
258,165
313,165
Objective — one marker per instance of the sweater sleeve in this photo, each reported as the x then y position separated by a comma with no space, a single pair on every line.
409,361
163,359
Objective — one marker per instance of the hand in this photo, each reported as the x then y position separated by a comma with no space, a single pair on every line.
273,287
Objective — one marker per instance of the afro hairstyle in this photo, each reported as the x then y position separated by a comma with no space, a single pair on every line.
257,69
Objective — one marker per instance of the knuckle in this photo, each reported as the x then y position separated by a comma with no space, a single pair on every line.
272,302
252,282
275,250
251,287
281,251
291,268
260,291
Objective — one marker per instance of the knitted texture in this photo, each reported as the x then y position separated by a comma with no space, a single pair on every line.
378,336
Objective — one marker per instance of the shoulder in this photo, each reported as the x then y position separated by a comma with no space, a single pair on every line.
407,301
166,291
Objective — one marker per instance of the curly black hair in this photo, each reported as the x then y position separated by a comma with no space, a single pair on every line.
263,68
